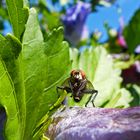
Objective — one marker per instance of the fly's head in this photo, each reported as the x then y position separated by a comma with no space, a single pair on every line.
77,75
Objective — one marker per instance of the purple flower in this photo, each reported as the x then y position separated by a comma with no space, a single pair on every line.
74,21
95,124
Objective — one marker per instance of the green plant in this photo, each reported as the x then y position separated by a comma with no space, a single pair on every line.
30,70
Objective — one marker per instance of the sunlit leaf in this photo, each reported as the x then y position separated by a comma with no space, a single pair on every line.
34,70
10,49
100,70
45,65
18,16
9,102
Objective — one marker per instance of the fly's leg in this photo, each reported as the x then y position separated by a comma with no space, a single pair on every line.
59,87
91,98
63,88
62,96
71,89
67,89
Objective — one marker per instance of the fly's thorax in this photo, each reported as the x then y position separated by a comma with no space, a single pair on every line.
78,84
77,88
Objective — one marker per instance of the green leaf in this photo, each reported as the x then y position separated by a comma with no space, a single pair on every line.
125,99
114,100
9,102
3,13
44,2
100,70
121,64
121,99
132,32
45,65
34,71
10,49
52,19
18,16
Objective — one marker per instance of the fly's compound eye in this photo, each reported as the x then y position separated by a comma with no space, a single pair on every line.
78,74
72,73
83,74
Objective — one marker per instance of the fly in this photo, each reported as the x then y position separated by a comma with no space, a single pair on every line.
78,85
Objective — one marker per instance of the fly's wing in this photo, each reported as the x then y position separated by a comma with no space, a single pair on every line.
66,83
89,85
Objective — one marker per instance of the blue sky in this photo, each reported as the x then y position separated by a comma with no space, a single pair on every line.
95,20
111,15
